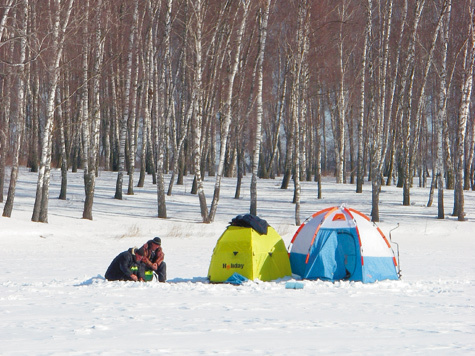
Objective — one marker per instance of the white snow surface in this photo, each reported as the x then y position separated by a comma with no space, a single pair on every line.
54,299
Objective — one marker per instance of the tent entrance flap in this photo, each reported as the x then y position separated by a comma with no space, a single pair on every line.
332,257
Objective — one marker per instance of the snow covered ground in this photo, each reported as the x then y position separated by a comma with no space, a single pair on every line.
55,301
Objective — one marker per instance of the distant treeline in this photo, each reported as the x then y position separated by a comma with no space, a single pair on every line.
375,90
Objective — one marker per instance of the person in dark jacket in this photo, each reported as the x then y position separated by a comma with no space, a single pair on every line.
154,258
127,266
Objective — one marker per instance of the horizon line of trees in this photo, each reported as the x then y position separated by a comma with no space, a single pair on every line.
372,90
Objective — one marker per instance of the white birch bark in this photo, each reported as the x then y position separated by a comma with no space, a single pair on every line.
126,99
259,107
299,109
40,210
164,93
62,137
95,119
3,19
5,121
442,113
148,102
20,113
132,127
360,138
406,88
198,107
392,94
228,109
421,100
84,115
320,117
342,100
381,120
466,89
184,118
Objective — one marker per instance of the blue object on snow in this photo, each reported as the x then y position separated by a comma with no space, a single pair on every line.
293,285
236,279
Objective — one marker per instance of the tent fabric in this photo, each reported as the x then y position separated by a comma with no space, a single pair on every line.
244,251
341,243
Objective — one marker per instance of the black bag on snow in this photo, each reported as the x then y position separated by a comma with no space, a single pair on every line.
248,220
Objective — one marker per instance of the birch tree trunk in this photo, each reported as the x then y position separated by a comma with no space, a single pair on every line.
341,101
180,130
22,17
198,108
442,114
392,98
299,108
163,92
148,101
64,155
178,161
380,120
85,120
228,109
466,89
40,210
132,127
469,154
259,109
320,114
280,113
3,20
360,137
94,139
416,120
125,115
4,112
407,87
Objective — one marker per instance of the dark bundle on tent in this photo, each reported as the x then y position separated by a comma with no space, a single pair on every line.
248,220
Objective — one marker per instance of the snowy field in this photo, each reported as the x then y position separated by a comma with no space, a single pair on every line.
55,301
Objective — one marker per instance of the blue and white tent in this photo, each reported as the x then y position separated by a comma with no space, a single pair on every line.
342,243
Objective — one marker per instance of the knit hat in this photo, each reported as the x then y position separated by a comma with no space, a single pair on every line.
157,241
137,251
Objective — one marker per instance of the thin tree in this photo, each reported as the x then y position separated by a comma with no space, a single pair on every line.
198,106
441,116
164,92
125,115
263,18
22,17
406,90
40,210
361,115
228,108
94,139
466,90
5,104
341,101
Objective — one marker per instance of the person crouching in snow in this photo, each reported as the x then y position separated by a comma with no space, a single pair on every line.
154,258
127,266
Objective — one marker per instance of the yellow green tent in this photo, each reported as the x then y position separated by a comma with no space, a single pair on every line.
244,251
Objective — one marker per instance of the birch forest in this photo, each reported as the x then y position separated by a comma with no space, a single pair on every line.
376,92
